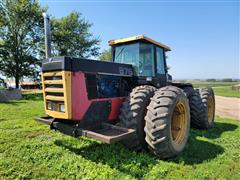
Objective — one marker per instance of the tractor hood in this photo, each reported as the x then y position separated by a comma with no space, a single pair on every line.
65,63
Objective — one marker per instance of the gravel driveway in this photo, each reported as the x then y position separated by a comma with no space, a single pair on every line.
228,107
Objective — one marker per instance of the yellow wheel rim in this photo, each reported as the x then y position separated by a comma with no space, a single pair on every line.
179,123
210,104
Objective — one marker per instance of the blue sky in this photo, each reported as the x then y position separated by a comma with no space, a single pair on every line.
203,35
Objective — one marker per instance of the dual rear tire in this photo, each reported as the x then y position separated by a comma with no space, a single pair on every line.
161,117
167,122
162,123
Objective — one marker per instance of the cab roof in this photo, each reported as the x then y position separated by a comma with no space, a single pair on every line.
138,38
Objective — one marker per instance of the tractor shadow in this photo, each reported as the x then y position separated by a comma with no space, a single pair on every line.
114,155
197,150
118,157
217,130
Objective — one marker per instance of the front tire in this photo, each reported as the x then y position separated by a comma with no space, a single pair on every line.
167,122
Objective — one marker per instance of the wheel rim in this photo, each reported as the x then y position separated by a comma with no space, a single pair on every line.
210,103
179,123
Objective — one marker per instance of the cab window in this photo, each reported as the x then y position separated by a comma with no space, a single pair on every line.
127,54
160,61
140,55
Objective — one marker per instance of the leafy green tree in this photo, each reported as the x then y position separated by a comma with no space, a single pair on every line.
106,55
22,38
71,37
21,35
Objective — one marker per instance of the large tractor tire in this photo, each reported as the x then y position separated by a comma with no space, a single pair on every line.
208,101
132,115
167,122
198,114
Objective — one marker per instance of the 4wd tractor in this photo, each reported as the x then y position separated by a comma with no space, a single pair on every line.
131,99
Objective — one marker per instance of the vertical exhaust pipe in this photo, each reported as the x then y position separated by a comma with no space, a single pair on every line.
47,35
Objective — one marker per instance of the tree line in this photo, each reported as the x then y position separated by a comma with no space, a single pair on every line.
22,38
222,80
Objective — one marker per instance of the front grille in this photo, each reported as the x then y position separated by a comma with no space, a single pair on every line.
53,86
57,93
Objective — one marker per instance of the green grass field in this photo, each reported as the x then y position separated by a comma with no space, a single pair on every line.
220,89
197,84
226,91
29,150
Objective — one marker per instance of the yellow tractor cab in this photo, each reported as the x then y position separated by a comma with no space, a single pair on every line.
145,54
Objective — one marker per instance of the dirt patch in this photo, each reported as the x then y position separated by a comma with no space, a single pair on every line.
228,107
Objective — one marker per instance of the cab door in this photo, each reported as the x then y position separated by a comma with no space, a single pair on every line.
161,69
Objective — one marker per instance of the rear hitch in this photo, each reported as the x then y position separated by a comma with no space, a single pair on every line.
45,120
104,132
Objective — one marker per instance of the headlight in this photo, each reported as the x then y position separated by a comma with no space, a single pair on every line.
62,107
49,105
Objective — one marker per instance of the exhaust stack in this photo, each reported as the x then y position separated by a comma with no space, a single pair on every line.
47,35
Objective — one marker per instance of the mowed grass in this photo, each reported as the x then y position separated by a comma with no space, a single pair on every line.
226,91
30,150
